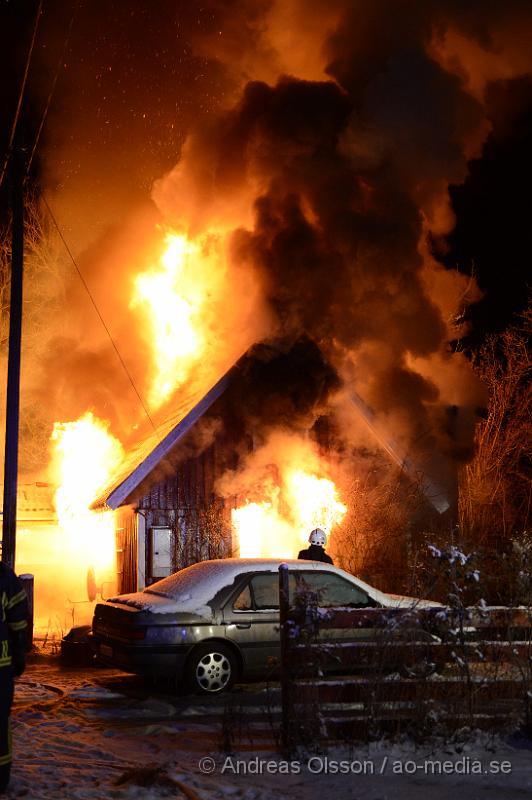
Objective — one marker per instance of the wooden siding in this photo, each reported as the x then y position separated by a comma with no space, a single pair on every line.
126,550
185,501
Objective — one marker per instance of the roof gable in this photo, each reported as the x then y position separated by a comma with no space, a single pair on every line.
143,458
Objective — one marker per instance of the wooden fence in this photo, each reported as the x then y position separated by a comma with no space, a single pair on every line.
354,673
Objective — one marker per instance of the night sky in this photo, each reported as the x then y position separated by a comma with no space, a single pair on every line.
129,86
493,207
136,76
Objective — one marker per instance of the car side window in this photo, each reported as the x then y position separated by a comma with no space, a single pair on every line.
243,602
261,593
333,591
265,591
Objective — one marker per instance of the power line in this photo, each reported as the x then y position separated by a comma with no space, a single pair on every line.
93,301
54,83
21,92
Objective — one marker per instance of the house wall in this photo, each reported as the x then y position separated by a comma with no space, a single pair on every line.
185,502
127,560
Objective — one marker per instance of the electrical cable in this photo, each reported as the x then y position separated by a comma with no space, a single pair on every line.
21,92
93,301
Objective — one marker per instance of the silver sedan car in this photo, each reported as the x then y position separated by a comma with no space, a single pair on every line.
216,621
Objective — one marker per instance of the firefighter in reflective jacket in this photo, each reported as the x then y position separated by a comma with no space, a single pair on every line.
13,624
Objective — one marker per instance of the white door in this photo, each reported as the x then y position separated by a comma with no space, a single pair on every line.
161,552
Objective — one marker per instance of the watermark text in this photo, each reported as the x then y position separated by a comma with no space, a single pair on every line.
324,765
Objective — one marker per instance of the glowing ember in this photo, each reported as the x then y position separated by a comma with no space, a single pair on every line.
173,296
85,454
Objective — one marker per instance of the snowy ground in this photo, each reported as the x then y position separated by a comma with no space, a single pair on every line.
92,734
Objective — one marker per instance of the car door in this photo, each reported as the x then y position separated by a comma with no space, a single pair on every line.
330,592
251,619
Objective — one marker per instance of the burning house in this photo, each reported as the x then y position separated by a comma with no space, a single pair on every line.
291,245
243,453
200,486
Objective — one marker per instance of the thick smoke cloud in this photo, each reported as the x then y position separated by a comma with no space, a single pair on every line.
335,238
345,181
287,385
325,144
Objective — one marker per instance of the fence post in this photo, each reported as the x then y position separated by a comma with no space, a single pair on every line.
284,632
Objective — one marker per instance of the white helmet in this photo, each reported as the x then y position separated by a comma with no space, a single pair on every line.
317,536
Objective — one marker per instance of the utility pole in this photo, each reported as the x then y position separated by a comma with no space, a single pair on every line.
9,524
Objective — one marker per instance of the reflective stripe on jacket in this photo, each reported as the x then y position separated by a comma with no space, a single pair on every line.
13,615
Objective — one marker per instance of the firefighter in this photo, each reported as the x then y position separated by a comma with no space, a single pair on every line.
13,638
316,551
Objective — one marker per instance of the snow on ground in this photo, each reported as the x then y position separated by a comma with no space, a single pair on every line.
93,734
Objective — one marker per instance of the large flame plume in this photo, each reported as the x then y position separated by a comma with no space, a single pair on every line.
331,178
173,296
85,455
193,322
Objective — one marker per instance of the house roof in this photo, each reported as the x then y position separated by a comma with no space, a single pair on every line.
189,407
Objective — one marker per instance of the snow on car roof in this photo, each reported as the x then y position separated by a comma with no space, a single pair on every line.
194,586
212,576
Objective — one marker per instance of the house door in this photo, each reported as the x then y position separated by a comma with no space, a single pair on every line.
160,549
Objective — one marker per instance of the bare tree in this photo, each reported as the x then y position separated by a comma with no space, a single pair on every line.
384,531
495,487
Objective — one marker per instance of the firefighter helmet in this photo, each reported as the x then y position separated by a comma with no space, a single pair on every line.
317,536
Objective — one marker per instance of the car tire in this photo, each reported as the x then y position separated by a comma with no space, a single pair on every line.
211,669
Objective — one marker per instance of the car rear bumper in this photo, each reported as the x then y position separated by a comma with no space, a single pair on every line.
149,660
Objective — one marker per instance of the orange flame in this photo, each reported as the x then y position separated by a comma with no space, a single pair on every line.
85,455
315,501
298,500
174,297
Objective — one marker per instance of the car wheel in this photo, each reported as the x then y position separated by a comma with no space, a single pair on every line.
211,669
